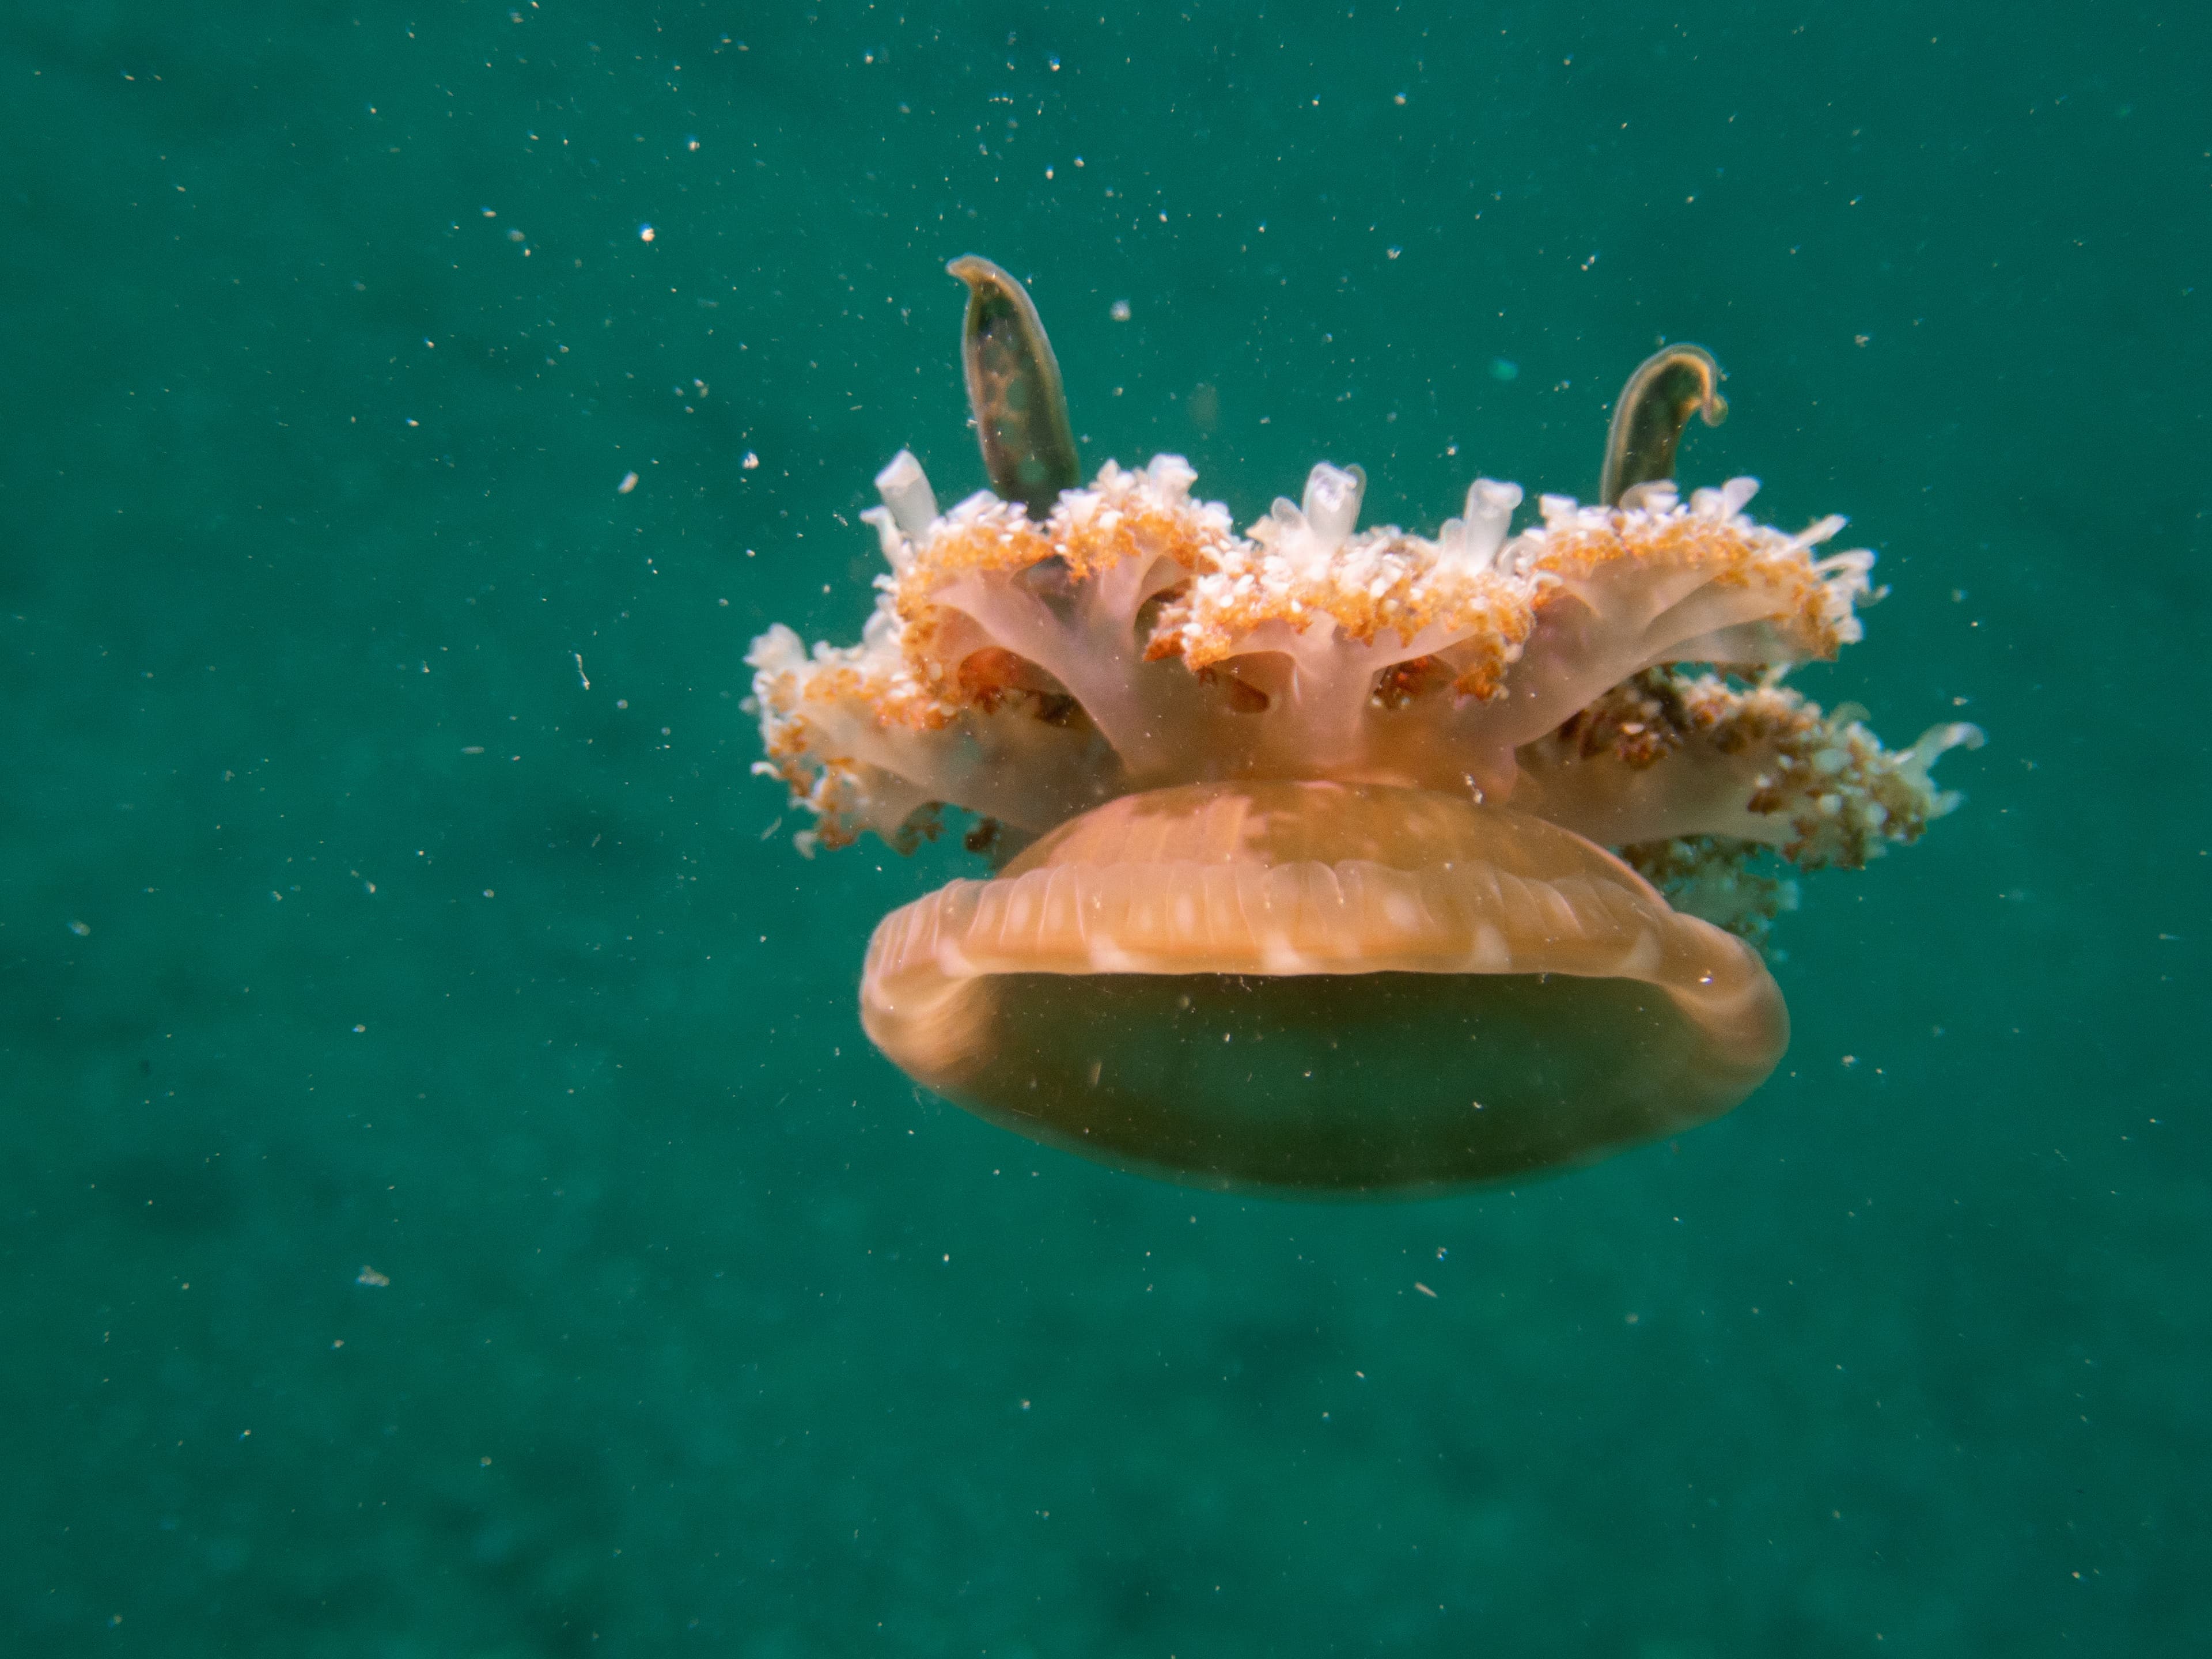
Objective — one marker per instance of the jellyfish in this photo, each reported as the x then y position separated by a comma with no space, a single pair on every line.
1332,861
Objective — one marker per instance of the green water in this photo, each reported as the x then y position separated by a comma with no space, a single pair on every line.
450,1206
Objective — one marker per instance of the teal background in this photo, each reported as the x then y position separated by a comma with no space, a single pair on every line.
703,1332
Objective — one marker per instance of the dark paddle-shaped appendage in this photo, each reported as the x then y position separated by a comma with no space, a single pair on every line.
1654,406
1014,389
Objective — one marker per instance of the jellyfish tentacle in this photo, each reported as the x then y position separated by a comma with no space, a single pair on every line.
1014,389
1648,422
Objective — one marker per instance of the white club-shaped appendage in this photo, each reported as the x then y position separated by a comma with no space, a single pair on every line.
1938,741
1730,499
1560,511
1656,496
1172,476
1819,531
1331,503
905,489
1470,544
881,631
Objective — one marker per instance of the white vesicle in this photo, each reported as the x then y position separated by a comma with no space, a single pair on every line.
1819,531
1470,544
905,489
1558,511
898,552
1331,503
1172,476
881,631
1939,740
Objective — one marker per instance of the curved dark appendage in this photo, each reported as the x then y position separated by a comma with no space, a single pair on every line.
1655,405
1014,391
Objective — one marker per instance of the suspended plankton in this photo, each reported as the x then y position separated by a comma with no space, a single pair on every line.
1332,861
